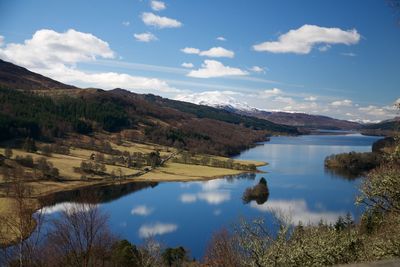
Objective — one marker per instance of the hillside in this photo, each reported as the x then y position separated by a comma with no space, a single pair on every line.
60,113
16,77
386,127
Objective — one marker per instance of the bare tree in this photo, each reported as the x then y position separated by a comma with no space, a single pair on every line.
80,236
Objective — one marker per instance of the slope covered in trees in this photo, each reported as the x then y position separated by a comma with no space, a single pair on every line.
58,113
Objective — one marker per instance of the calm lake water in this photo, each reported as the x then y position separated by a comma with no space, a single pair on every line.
187,214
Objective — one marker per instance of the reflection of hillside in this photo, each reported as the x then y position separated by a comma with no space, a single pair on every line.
101,193
343,174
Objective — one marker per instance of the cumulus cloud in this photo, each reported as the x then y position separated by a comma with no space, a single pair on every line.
257,69
152,19
214,198
56,55
1,40
270,93
141,210
157,5
303,39
310,98
212,52
187,65
221,38
342,103
145,37
150,230
126,23
190,50
188,198
213,69
297,210
68,207
48,47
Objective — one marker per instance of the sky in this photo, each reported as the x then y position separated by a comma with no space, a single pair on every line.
336,57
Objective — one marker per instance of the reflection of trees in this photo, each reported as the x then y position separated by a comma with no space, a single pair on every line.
244,176
102,193
259,193
343,174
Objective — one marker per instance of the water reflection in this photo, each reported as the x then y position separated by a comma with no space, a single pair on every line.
259,193
101,193
298,211
342,174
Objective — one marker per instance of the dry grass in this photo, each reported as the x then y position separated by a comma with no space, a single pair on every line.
184,172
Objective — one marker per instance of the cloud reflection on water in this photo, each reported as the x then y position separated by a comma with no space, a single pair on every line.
298,211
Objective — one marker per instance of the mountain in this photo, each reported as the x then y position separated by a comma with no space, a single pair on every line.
16,77
386,127
303,120
217,100
43,111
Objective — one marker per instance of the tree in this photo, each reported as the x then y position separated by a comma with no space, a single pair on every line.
222,250
125,254
8,152
174,256
80,236
29,145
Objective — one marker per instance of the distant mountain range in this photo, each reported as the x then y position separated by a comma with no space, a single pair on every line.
301,120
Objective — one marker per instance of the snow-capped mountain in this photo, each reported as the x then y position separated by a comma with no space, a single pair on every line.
226,100
217,100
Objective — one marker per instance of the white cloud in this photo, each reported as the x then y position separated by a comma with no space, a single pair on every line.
48,47
374,110
188,198
324,48
303,39
342,103
270,93
1,40
187,65
217,52
213,68
214,198
56,55
68,207
160,22
257,69
297,210
221,38
141,210
157,5
145,37
190,50
310,98
126,23
212,52
150,230
283,99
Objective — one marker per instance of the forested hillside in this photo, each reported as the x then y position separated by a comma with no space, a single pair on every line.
45,113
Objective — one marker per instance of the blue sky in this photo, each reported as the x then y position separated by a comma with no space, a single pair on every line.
339,58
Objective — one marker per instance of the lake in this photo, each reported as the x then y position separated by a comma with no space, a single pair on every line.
187,214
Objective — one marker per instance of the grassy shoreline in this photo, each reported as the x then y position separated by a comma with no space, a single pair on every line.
168,172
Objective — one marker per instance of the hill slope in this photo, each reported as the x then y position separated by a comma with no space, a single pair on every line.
60,113
16,77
